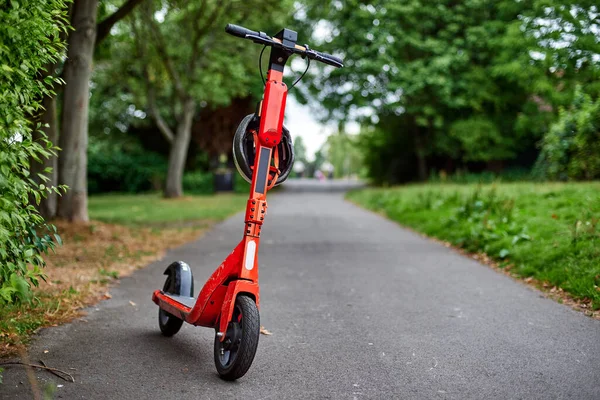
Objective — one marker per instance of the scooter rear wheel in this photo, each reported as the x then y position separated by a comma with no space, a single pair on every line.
234,355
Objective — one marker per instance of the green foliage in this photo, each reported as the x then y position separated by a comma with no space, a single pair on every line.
388,153
571,148
548,231
449,83
478,139
198,182
344,154
123,167
29,40
566,45
240,185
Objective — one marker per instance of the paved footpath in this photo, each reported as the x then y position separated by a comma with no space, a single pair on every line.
359,308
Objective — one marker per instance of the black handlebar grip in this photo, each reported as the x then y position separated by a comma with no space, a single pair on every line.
239,31
328,59
333,58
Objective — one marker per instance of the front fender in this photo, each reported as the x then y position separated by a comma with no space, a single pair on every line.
182,280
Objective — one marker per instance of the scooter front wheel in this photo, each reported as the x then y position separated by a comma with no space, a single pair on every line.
234,355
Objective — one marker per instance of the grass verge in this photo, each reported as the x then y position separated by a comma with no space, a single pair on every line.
547,234
126,233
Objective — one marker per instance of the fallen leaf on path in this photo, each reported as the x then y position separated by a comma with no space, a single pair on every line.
107,295
264,331
132,303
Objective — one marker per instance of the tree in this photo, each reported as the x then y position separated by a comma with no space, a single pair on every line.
186,61
300,150
30,39
571,148
430,65
72,166
344,154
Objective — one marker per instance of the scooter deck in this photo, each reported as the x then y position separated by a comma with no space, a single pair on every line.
184,300
180,306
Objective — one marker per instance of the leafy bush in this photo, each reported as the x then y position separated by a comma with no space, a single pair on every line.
29,40
118,167
198,182
204,183
239,184
571,148
478,139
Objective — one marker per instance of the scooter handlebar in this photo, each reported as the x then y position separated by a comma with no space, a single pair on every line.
263,38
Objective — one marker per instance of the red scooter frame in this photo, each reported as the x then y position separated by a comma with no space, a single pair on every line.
238,274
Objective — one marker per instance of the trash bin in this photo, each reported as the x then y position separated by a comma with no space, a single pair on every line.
224,180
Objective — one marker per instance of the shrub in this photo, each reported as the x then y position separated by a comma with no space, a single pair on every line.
123,167
571,148
29,40
239,184
198,182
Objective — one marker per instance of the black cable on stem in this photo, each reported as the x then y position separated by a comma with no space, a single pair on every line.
304,73
260,65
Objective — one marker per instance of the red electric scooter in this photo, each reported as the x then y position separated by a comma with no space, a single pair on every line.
263,154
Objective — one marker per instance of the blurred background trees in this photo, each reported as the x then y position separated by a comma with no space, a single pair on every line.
435,88
145,95
453,85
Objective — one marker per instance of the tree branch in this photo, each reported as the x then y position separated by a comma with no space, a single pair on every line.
161,47
200,32
104,27
163,127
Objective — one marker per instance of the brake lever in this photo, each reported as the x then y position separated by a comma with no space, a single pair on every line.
260,39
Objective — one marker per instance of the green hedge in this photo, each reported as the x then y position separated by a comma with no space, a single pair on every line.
117,169
30,39
198,182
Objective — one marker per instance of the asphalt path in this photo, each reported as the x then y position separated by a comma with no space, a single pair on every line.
358,307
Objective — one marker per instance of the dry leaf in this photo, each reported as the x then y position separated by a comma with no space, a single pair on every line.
46,351
132,303
264,331
107,295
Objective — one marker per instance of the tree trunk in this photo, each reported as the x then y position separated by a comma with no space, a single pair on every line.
421,154
72,163
179,150
47,206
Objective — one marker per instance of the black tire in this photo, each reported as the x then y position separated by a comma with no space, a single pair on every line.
168,323
234,359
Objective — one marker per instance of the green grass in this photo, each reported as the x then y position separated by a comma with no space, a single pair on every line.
549,231
152,209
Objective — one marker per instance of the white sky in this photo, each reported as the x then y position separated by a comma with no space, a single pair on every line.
300,122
